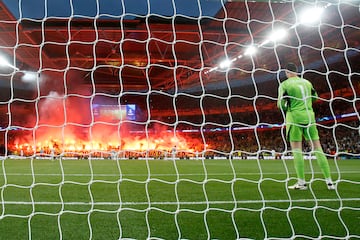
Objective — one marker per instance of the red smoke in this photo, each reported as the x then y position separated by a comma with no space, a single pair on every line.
65,124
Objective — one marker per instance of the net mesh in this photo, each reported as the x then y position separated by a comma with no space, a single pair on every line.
158,120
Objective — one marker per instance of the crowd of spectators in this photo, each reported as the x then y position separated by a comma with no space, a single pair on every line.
340,140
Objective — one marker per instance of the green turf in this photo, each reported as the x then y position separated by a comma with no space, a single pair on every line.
182,199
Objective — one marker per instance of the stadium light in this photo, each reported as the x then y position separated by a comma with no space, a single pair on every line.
29,77
277,35
250,51
311,15
4,63
225,64
211,70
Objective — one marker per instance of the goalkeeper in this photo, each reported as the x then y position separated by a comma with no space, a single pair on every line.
295,97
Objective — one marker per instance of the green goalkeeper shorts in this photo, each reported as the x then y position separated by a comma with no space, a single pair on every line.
296,132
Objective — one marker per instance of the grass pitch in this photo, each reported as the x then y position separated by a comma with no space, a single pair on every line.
182,199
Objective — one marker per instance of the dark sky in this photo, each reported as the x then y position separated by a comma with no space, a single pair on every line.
38,9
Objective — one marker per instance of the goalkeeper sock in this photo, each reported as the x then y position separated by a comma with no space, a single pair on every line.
323,163
299,165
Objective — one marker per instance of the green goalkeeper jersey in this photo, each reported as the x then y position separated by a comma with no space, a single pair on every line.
295,97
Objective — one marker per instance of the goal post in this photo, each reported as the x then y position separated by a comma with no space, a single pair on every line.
157,119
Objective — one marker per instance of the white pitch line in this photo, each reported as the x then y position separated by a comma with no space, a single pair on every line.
184,203
159,174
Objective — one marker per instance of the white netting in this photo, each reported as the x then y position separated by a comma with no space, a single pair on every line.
158,119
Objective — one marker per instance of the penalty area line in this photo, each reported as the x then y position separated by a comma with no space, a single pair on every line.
181,203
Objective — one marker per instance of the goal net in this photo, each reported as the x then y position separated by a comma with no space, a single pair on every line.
155,119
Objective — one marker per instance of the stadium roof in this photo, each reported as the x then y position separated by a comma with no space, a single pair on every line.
122,48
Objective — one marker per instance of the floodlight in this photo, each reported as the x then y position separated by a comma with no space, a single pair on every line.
250,50
211,70
311,15
277,35
5,63
225,64
29,77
